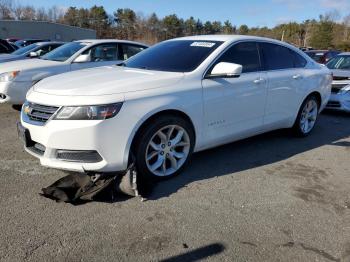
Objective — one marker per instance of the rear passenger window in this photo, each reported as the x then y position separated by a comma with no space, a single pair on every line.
245,54
277,57
130,50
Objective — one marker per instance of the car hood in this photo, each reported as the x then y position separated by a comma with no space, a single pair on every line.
105,80
26,64
341,73
8,57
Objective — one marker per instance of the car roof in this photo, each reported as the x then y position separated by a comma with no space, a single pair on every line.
101,41
235,38
50,42
226,38
345,53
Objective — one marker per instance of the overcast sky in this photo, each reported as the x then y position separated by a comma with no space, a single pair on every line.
250,12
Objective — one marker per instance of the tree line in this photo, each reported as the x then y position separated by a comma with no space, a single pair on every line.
328,31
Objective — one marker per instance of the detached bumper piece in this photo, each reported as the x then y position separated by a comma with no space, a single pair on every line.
79,156
78,188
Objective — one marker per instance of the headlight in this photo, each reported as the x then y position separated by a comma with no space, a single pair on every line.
8,76
99,112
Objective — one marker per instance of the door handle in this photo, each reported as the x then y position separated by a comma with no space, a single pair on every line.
296,77
259,80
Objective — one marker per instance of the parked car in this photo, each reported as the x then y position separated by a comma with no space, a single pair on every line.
25,42
179,96
305,48
340,97
30,51
12,39
5,47
322,56
18,76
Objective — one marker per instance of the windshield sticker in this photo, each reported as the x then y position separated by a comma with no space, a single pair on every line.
203,44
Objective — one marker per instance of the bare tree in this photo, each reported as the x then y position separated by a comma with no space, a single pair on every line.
6,9
41,14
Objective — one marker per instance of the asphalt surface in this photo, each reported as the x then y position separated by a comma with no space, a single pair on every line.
269,198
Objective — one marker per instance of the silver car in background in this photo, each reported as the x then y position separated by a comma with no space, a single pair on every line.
340,97
31,51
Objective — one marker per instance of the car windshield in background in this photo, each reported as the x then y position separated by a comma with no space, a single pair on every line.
64,52
339,62
174,56
24,50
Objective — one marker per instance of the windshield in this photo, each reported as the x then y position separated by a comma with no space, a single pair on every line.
25,50
173,56
340,62
64,52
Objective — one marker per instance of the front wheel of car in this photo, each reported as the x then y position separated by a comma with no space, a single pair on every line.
164,147
307,117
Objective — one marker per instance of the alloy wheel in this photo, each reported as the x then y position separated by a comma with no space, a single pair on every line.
167,150
308,116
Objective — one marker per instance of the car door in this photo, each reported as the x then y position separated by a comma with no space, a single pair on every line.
234,107
285,73
98,55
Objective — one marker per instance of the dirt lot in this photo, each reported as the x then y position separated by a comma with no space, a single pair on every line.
268,198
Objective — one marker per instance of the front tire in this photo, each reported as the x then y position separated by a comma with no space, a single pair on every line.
164,147
307,117
17,107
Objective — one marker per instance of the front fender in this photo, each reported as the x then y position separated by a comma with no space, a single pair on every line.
143,110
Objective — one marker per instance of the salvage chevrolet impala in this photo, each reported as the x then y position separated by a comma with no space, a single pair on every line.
175,98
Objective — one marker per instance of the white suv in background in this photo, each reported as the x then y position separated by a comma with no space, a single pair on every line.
18,76
179,96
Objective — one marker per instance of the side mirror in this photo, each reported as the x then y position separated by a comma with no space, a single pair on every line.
225,70
82,59
33,54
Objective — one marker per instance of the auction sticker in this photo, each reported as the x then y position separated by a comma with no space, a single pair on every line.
203,44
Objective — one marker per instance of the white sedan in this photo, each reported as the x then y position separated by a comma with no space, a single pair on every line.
17,77
178,97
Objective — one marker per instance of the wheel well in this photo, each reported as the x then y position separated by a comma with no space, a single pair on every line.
318,97
155,116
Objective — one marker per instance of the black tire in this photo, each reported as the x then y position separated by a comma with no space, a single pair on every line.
17,107
146,134
297,130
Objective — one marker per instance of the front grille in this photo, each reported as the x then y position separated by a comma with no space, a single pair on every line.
39,113
334,104
341,78
79,156
337,87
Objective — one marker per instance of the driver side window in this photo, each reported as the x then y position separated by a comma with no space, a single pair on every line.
245,54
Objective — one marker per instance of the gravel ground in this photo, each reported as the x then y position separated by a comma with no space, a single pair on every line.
269,198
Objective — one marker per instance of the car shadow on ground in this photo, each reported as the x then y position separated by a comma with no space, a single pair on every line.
256,152
197,254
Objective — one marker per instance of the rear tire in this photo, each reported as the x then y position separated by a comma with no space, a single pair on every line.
307,117
164,147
